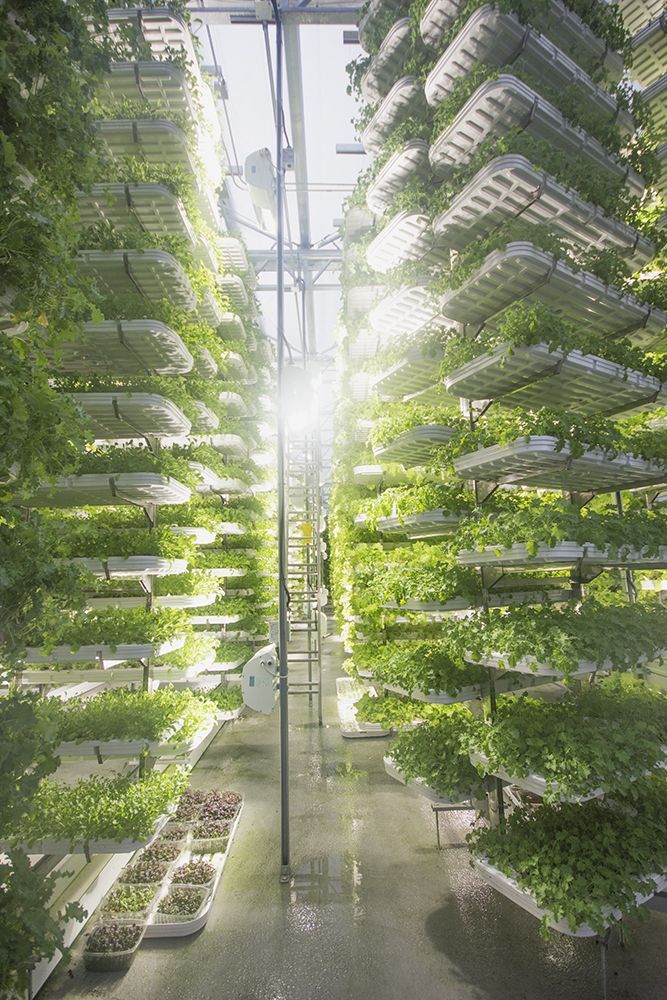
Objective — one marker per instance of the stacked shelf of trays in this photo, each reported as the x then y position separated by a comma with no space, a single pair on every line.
163,514
499,464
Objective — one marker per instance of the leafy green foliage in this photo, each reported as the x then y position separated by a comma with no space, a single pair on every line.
393,711
40,431
528,324
421,572
396,418
617,635
226,699
35,586
579,433
437,753
417,666
97,809
129,899
119,714
110,626
582,861
538,521
27,926
601,737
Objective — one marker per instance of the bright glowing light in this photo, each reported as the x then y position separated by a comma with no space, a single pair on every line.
301,398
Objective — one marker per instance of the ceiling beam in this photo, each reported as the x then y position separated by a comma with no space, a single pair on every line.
314,257
239,12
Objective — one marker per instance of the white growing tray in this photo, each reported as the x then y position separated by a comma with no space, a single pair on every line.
232,286
420,786
129,567
530,665
656,98
637,13
521,271
386,65
161,926
402,166
534,783
408,236
405,312
406,98
129,347
228,444
649,51
234,403
500,105
125,415
493,38
155,274
100,489
418,370
100,652
204,364
534,461
207,420
558,556
508,187
211,482
427,524
503,684
435,611
560,24
233,254
374,475
57,847
661,182
535,376
167,601
160,141
200,536
509,888
162,30
348,692
416,446
151,206
361,299
168,746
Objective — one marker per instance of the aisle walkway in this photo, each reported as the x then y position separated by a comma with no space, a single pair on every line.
375,912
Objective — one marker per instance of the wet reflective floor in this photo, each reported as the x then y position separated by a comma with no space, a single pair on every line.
373,910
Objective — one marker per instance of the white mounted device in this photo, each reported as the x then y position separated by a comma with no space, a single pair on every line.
260,680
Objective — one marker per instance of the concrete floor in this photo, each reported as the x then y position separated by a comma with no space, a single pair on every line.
373,910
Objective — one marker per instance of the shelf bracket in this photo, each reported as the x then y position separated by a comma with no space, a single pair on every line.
581,499
484,489
491,576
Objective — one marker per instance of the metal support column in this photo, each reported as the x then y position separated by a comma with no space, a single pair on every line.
282,522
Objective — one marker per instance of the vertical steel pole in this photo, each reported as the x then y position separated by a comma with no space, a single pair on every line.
282,512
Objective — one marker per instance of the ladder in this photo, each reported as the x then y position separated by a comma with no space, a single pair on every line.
304,563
